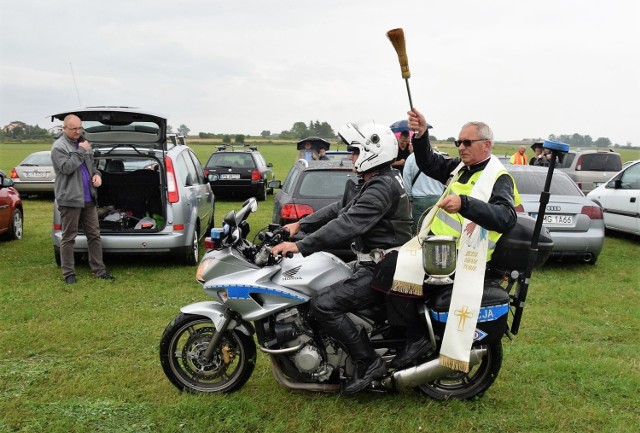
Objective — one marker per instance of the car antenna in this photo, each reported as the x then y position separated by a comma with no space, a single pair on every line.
73,75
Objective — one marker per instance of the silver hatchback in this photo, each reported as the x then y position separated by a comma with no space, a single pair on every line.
154,198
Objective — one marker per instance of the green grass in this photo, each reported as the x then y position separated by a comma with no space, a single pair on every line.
84,358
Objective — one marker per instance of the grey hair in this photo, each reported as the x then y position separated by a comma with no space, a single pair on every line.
484,132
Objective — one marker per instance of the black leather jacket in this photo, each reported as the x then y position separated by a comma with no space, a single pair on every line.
498,214
375,213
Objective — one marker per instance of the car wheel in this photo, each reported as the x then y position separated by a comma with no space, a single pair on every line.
193,253
261,194
15,228
56,255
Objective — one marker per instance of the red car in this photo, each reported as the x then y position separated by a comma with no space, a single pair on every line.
10,209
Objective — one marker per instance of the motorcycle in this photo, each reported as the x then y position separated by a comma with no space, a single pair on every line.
209,347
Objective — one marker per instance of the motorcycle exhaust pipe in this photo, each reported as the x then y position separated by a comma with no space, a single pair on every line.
283,380
427,372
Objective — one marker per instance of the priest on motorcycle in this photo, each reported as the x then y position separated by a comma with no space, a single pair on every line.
477,206
377,216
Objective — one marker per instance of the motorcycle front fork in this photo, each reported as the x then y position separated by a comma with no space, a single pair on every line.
221,329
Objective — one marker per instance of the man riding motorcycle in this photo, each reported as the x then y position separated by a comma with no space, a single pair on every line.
377,216
495,214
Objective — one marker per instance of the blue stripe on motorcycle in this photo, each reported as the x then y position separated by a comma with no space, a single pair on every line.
243,292
487,314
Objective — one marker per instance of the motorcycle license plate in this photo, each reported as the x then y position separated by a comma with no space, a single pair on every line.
229,176
555,219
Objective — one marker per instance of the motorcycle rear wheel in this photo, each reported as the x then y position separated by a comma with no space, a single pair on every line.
465,386
182,348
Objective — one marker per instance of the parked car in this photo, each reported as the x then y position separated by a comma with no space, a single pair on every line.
11,212
34,175
504,159
338,155
620,200
574,221
240,171
154,198
310,186
590,168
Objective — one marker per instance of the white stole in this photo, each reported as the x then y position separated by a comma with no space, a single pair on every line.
470,269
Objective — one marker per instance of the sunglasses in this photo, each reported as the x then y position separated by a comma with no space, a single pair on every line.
467,143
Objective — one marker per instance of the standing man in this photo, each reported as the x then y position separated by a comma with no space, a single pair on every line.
520,157
404,150
423,191
477,207
377,218
76,195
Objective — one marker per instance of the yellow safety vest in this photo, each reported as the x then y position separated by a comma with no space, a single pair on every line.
446,224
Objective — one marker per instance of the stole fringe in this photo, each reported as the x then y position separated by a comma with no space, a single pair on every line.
454,364
407,288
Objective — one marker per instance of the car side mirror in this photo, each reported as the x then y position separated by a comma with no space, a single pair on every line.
617,184
275,184
6,182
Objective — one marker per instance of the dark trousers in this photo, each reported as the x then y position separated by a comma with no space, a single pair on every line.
407,314
331,305
70,219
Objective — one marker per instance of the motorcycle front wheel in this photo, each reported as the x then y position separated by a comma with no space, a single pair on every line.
465,386
182,349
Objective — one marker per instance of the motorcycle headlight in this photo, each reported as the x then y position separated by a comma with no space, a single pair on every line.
203,267
439,257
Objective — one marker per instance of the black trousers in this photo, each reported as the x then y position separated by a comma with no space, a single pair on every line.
407,313
331,305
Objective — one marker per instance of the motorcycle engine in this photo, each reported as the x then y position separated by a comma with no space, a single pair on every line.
291,330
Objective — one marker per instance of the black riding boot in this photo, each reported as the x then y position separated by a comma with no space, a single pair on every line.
368,365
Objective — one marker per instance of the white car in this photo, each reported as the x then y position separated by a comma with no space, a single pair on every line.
619,199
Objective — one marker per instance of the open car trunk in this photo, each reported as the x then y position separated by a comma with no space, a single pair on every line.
130,199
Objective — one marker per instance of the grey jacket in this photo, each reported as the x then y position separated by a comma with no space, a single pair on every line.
67,159
376,215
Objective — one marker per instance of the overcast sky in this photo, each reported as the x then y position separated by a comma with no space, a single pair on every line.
528,69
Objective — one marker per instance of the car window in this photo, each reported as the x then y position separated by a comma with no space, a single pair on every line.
533,183
292,176
630,179
186,170
324,183
600,162
232,160
567,160
198,167
37,159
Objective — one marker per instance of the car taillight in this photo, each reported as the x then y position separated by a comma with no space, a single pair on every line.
255,174
172,186
520,209
593,212
579,164
206,172
14,173
293,212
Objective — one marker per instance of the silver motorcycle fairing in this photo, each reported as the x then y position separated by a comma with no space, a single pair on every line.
256,293
215,312
312,273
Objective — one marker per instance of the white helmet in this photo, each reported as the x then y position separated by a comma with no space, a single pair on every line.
375,142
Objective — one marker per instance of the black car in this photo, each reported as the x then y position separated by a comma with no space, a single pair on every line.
308,187
239,171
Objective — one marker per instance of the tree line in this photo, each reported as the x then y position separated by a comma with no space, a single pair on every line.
18,131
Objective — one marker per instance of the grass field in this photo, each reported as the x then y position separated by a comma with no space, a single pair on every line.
84,358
